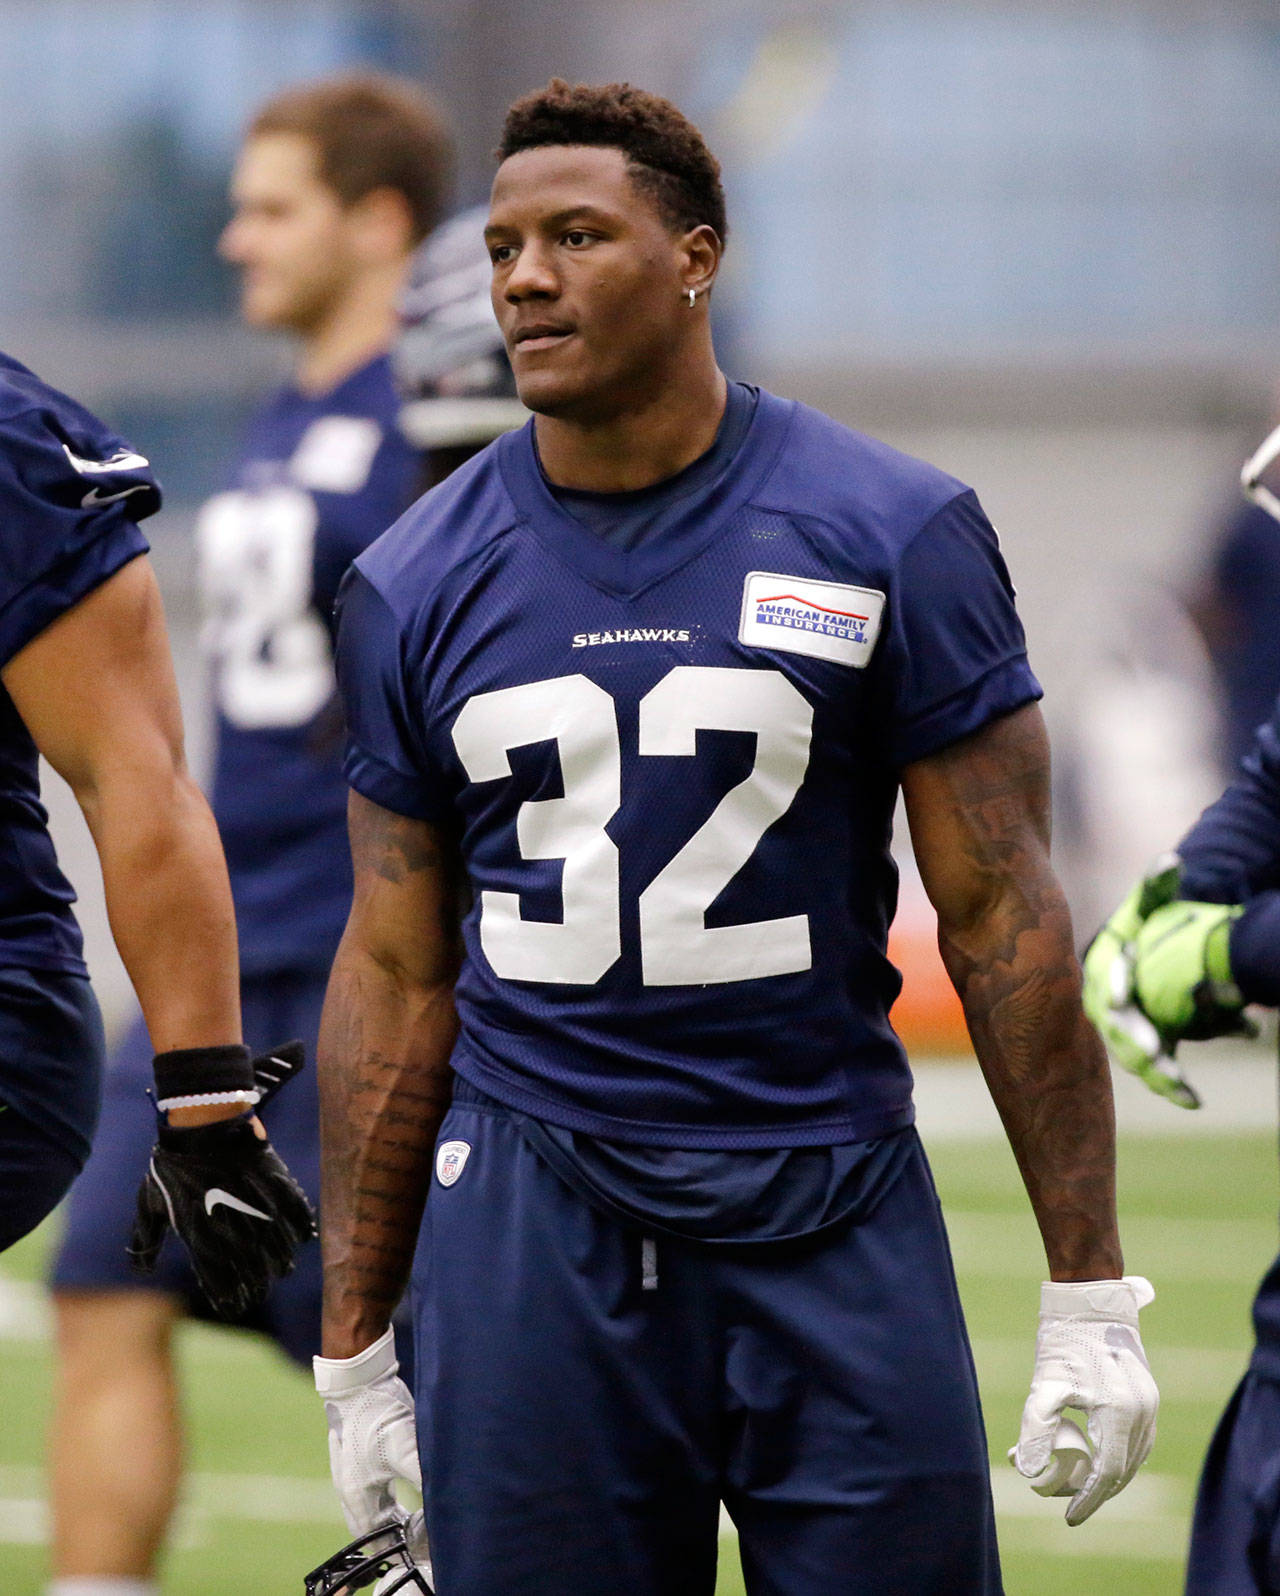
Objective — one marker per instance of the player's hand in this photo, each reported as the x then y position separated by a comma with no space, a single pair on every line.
1110,999
1088,1356
373,1438
1182,972
233,1204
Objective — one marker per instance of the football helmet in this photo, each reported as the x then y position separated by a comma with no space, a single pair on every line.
383,1555
449,360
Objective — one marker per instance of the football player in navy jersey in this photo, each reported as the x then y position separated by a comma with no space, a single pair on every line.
87,681
645,678
1191,945
336,184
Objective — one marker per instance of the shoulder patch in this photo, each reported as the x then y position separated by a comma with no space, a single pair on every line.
336,454
799,615
122,460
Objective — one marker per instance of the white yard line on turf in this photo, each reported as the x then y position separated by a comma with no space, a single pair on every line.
252,1498
1187,1374
1149,1520
1004,1246
1154,1502
24,1311
1237,1082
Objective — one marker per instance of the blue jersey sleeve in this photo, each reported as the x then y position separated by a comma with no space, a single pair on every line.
1232,855
71,494
954,656
386,760
350,522
1245,565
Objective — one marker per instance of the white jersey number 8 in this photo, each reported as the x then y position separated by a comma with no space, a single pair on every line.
272,660
678,948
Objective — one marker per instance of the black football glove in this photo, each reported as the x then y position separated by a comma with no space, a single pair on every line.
275,1069
230,1200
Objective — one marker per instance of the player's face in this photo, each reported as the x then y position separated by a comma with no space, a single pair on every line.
587,282
288,234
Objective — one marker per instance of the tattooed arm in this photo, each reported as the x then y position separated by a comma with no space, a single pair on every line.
979,816
385,1039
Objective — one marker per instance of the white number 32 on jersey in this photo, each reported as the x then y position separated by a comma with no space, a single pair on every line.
678,948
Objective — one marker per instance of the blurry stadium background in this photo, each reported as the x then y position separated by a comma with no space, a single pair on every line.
1038,244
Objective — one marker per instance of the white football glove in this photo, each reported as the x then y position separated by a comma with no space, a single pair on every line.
1088,1356
372,1437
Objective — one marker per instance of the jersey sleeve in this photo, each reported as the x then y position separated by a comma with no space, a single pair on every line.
1245,557
71,495
385,759
954,655
1232,855
349,524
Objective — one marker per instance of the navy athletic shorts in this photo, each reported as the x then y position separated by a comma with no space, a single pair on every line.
92,1256
587,1395
51,1051
1235,1534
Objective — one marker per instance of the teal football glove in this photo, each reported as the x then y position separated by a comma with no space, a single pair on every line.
1110,999
1182,972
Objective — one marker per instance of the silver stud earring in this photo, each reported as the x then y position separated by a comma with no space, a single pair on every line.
693,297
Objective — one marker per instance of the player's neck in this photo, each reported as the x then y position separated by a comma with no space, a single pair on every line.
640,446
355,328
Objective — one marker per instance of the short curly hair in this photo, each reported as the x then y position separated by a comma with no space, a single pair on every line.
668,157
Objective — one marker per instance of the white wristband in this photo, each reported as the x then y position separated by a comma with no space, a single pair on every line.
337,1376
203,1099
1112,1301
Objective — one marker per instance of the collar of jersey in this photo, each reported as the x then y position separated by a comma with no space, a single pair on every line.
347,391
628,574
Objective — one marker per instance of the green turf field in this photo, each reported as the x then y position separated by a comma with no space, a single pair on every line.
1199,1218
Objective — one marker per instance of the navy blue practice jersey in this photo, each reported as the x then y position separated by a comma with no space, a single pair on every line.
673,768
71,494
317,481
1232,855
1246,581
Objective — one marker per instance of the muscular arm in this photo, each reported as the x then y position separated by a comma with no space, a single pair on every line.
385,1038
979,816
97,693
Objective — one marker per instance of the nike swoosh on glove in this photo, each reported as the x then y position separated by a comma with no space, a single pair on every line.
273,1070
1089,1356
373,1439
230,1200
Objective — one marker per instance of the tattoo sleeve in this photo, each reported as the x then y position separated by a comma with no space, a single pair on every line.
979,815
386,1035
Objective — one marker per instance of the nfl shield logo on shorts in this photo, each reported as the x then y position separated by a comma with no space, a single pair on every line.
451,1160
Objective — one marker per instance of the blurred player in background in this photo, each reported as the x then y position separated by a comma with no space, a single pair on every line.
1235,609
336,184
88,682
648,674
1190,946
